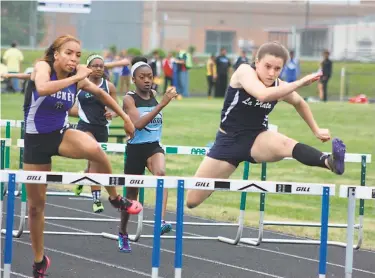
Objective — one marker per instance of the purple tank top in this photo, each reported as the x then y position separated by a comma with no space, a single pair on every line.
45,114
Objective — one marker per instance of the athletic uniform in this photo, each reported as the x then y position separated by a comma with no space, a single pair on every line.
243,118
46,119
91,119
144,144
91,113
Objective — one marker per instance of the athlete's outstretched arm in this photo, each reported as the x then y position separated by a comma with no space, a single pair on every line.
120,63
43,83
140,122
23,76
304,111
106,99
248,79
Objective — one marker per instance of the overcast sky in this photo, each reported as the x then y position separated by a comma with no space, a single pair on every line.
342,1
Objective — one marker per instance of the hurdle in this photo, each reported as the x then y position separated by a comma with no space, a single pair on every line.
181,183
285,188
353,192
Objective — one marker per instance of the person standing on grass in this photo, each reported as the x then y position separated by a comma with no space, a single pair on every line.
253,92
49,96
223,67
241,59
211,74
291,70
13,58
144,149
326,68
168,71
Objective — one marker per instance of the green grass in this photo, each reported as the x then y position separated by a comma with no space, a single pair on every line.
359,76
194,122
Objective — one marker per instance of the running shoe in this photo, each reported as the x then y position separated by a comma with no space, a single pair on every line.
39,270
97,207
78,190
165,227
131,206
336,161
123,243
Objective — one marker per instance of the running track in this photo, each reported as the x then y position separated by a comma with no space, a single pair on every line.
97,257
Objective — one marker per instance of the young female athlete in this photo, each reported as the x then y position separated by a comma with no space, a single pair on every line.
93,116
50,94
144,149
252,94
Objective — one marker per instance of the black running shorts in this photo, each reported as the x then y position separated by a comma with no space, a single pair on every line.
39,148
137,155
234,148
99,132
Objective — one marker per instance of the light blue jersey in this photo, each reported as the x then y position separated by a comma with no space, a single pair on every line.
152,131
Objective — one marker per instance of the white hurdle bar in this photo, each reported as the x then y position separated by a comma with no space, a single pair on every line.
353,192
181,183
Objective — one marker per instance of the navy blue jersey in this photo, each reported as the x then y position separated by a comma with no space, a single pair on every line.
90,109
242,112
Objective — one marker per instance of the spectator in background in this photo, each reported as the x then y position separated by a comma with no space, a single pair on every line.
116,73
222,67
125,75
211,74
3,80
326,68
291,70
183,63
168,71
13,58
107,59
156,67
241,59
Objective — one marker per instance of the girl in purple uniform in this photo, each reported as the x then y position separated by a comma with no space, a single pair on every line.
49,96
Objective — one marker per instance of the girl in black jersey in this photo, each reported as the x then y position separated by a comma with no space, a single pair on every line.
253,92
94,117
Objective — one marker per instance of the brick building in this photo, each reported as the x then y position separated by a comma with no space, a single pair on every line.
207,25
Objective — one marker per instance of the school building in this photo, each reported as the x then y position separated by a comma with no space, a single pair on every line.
207,25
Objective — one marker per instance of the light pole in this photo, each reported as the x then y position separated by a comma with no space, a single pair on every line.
154,27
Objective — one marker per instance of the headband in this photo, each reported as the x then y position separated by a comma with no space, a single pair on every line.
137,65
92,57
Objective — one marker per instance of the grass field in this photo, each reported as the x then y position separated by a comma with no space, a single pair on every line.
194,122
359,78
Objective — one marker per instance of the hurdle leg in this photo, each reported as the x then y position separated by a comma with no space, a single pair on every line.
350,233
361,203
138,232
324,233
6,161
179,230
9,226
157,229
242,212
2,166
262,203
